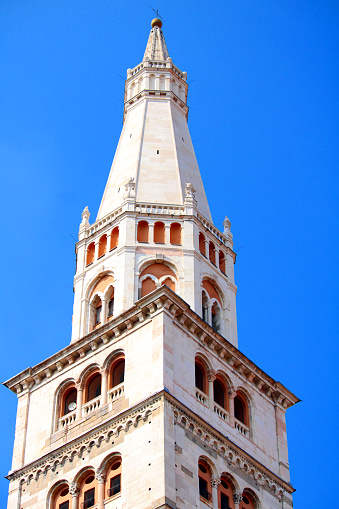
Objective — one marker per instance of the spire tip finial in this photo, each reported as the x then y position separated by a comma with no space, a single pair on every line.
156,22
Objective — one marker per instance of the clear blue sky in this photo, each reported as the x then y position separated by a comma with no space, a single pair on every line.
263,89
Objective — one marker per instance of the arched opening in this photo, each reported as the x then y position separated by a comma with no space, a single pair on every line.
241,409
88,495
222,265
114,238
205,302
96,309
147,286
159,233
204,474
61,499
175,234
93,387
68,401
220,393
113,478
142,231
202,247
170,283
248,501
90,254
216,315
110,302
102,246
117,372
225,494
212,252
200,377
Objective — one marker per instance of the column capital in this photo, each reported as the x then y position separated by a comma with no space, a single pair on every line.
215,482
100,477
211,375
237,497
74,489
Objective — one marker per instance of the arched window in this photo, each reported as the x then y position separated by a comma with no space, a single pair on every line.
110,307
200,377
241,409
205,302
142,231
68,401
216,315
90,254
102,246
88,491
159,233
114,238
204,473
248,501
175,234
147,286
222,265
219,391
202,247
93,387
118,372
113,478
212,252
225,494
62,499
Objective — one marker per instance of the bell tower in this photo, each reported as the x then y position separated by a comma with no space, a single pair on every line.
151,405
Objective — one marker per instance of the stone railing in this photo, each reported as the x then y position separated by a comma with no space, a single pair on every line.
240,426
201,396
67,420
103,222
116,392
146,208
221,412
91,406
209,226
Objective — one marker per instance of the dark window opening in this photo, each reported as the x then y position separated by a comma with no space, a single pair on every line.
115,485
199,378
118,375
157,151
110,307
70,398
239,413
244,499
203,491
98,315
64,505
94,388
88,498
219,395
224,501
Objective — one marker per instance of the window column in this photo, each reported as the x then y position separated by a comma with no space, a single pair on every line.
211,377
207,249
216,254
231,396
167,233
101,489
215,483
96,252
80,389
104,380
237,498
104,310
74,491
151,232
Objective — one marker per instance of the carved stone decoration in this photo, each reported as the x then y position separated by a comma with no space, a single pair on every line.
130,188
189,194
74,489
215,482
237,497
100,477
85,217
227,228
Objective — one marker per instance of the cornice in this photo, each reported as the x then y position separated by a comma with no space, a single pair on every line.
161,299
129,419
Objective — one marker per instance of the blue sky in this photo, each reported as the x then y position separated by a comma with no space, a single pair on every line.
263,117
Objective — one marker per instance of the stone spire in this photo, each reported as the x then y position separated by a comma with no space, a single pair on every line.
156,48
155,148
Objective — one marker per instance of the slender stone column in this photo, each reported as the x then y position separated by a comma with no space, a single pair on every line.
167,233
216,254
74,491
101,489
237,498
104,311
104,376
207,249
96,251
215,483
211,378
79,401
231,396
151,233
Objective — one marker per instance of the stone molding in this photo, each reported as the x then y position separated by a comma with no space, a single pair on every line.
162,299
227,449
120,423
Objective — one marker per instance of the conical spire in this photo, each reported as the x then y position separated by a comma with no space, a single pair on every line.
156,48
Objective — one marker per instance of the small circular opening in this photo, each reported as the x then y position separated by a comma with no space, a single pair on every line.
116,465
64,492
89,479
203,469
244,499
224,485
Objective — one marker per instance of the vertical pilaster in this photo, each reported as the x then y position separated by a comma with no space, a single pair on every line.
231,396
104,377
79,401
215,483
74,491
211,378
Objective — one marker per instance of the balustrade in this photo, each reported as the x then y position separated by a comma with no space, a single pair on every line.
91,406
201,396
240,426
67,420
221,412
116,392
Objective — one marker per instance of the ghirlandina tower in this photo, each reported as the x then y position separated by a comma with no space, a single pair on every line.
151,405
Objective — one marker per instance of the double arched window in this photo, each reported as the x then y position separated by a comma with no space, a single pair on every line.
101,302
154,276
211,306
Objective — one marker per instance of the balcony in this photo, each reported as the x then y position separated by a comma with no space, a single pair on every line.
116,392
91,406
221,412
240,426
67,420
201,396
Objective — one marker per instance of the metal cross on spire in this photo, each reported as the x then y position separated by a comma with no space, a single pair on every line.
157,13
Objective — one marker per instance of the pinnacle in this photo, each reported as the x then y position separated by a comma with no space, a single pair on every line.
156,48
